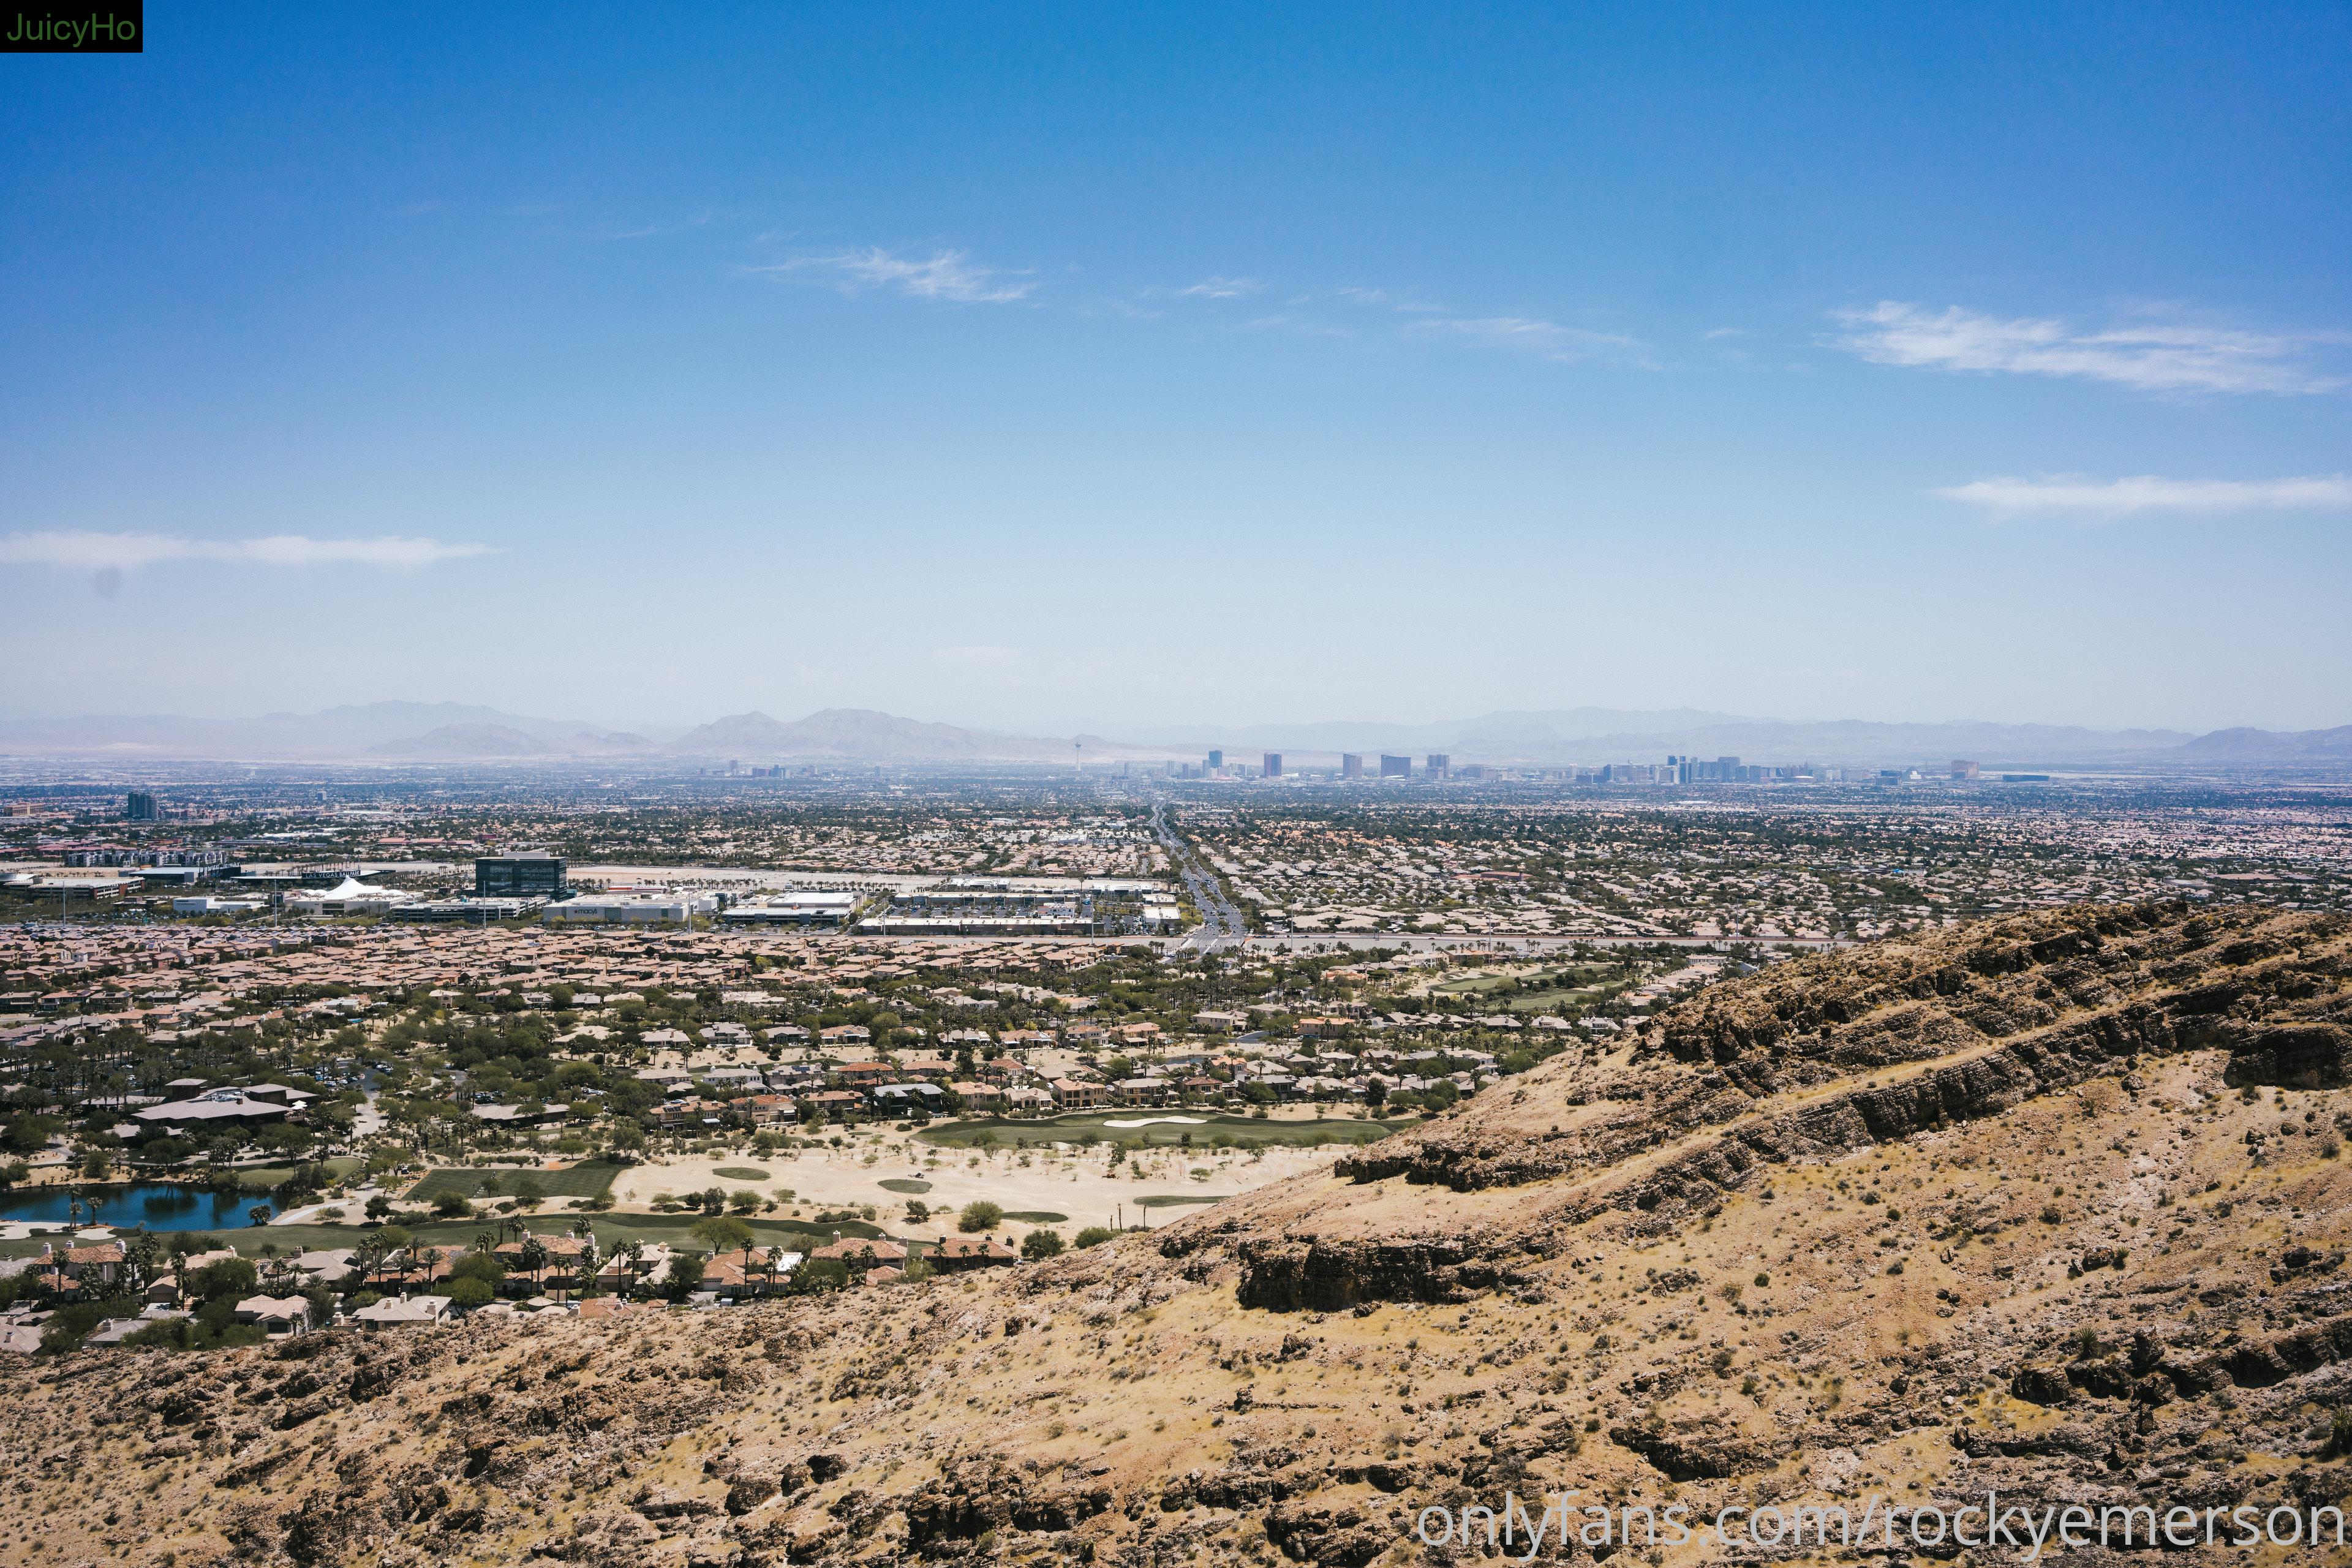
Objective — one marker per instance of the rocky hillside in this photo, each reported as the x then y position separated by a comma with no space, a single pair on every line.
2052,1207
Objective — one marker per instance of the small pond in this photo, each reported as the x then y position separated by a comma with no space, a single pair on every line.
158,1205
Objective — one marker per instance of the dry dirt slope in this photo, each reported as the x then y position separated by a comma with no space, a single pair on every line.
2053,1205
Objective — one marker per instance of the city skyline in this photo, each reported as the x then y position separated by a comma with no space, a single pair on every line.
1048,373
1567,743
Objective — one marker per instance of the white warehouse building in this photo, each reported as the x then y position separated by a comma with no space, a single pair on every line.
629,909
352,896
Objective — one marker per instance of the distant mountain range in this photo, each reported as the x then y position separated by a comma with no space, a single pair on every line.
2271,746
342,734
861,734
461,742
1493,737
420,733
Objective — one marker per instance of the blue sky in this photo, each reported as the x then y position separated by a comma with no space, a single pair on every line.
1039,368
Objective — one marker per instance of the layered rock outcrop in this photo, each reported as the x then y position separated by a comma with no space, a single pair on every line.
2057,1206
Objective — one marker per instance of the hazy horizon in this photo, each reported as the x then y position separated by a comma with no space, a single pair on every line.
1114,727
409,735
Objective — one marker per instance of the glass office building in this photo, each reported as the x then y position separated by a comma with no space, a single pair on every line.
520,877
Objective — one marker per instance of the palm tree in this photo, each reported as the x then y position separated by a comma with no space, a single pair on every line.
587,1271
142,1253
274,1266
533,1254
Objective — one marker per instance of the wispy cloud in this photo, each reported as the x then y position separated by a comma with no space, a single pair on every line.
1520,334
1400,300
1285,322
1527,334
85,552
2155,355
702,219
2071,495
949,275
1220,288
